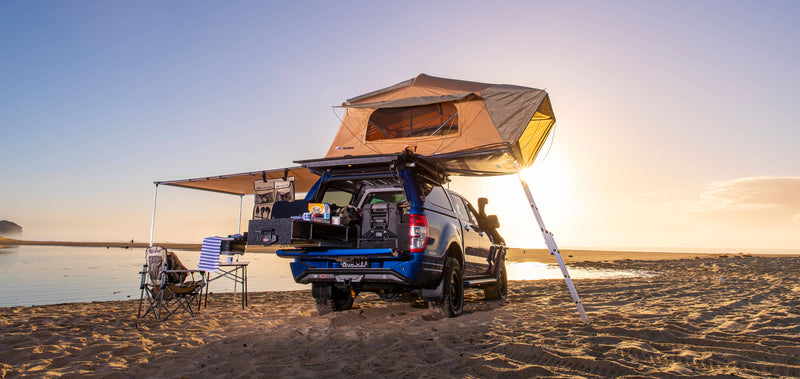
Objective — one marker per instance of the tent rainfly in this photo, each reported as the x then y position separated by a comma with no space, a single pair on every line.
469,128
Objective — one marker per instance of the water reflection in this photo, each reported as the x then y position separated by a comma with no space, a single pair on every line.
36,275
540,271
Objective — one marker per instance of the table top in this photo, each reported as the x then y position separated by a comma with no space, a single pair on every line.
241,263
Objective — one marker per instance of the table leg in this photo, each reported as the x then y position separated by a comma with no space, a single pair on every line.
207,277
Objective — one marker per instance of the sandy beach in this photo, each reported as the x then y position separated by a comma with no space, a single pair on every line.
697,316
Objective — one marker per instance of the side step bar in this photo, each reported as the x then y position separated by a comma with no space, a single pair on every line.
477,282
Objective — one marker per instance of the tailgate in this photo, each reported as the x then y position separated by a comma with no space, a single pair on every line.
301,253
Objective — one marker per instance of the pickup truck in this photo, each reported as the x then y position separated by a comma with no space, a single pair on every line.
399,231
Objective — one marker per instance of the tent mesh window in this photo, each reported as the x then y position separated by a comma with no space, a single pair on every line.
419,121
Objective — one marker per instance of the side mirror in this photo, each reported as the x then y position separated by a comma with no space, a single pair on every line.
492,221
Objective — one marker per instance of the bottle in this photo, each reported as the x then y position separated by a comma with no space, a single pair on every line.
326,212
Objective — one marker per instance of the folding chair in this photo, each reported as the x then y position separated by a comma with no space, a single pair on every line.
165,287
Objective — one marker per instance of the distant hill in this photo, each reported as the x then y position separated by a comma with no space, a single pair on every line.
8,228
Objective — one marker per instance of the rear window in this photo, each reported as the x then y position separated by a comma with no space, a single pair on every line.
337,197
419,121
438,197
385,197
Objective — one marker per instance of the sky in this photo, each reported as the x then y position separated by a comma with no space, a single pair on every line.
676,121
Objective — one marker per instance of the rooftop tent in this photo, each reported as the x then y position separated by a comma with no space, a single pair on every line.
469,128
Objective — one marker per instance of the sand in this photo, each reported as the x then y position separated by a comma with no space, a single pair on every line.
701,316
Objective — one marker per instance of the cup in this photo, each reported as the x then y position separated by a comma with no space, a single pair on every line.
229,259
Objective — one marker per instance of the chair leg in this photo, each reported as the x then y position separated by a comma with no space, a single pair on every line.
152,301
141,300
199,300
142,287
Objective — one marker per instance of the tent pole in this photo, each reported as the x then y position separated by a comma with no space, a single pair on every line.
153,220
551,245
239,228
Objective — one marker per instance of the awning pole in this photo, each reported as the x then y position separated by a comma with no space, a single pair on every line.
153,220
551,245
239,228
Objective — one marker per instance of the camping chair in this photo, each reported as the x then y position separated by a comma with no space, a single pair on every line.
165,287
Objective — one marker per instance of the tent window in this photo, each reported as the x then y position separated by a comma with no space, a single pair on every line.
420,121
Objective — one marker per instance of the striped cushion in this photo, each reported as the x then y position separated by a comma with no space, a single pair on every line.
209,254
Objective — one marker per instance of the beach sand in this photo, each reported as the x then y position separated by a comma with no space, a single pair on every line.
699,316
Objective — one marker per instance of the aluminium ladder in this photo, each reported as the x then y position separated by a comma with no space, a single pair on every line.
551,245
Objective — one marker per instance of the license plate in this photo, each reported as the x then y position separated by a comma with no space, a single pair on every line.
355,263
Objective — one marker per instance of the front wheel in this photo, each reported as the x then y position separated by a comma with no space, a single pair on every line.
499,290
452,302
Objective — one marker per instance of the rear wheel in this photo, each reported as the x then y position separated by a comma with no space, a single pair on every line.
341,300
498,291
388,296
452,302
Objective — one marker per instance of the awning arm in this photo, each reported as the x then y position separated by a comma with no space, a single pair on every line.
153,220
239,228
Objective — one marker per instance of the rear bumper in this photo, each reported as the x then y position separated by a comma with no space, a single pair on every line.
348,276
381,267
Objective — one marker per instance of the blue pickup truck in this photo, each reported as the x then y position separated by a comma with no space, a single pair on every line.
395,228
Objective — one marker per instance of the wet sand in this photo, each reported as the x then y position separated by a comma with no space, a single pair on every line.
701,316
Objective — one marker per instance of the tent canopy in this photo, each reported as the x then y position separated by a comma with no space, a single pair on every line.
467,127
242,183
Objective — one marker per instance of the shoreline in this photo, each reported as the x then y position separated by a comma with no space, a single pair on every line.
514,254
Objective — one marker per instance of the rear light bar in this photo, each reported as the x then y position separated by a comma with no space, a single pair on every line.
418,233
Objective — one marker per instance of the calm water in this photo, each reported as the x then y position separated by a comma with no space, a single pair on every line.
37,275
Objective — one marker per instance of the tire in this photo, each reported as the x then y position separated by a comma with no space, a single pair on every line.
341,300
498,291
453,298
388,296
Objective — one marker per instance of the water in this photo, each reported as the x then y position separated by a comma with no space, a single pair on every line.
540,271
38,275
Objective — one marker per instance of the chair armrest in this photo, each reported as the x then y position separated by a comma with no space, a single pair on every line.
184,271
201,272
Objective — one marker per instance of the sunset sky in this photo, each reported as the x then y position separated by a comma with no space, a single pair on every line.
677,122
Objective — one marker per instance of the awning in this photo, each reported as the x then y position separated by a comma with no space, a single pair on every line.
242,183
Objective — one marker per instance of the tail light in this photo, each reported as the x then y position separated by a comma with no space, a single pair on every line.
418,233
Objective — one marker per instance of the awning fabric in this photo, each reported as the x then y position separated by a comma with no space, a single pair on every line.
242,183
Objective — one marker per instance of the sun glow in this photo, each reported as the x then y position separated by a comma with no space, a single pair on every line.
551,184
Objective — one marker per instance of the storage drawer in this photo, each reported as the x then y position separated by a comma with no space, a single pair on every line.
285,231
